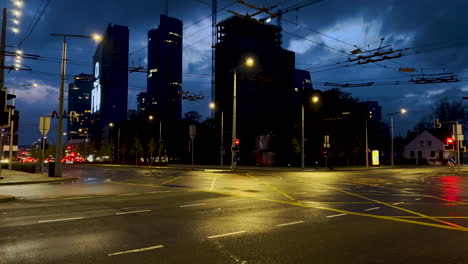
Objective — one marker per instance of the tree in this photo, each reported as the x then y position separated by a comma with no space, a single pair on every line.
192,117
137,149
151,149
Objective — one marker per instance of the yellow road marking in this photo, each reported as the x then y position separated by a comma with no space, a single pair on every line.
275,189
170,180
213,182
396,219
410,192
393,206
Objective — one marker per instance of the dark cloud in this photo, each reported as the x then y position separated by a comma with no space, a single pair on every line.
437,28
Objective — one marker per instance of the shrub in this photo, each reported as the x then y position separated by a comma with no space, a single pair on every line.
26,167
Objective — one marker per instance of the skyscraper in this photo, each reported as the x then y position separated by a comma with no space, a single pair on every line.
79,106
142,103
110,89
265,92
165,70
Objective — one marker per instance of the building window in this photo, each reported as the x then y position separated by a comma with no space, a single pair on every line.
421,143
432,153
419,154
411,154
429,143
175,34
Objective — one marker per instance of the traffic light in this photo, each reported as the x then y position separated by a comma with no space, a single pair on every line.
450,144
5,109
235,148
69,147
437,123
325,152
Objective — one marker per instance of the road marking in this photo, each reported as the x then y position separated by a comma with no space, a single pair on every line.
381,217
128,194
191,205
291,223
235,200
301,193
170,180
331,216
132,212
135,250
417,199
398,203
213,182
160,192
62,219
276,189
370,209
227,234
399,208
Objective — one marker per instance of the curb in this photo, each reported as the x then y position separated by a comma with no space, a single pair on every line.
41,181
6,198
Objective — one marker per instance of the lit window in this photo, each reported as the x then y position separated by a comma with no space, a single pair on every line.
175,34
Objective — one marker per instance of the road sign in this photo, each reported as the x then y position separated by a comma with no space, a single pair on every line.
44,125
192,131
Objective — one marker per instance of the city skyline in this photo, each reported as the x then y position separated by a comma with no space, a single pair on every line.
359,24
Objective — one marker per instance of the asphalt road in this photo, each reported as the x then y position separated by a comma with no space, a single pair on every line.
134,215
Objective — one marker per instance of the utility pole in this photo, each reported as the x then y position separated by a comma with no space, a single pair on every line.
234,118
12,130
2,71
58,148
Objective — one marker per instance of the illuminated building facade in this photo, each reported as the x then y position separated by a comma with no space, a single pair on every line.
79,106
110,89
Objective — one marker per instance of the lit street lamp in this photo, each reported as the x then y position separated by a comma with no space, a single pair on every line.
221,148
248,62
315,99
58,152
402,111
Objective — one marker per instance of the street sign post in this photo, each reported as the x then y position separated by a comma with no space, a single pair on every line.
192,133
44,127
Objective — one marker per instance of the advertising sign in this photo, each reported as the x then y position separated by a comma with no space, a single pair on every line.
375,158
96,92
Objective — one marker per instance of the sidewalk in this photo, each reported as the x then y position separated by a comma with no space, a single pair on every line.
20,177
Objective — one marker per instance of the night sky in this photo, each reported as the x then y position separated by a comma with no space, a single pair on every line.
434,34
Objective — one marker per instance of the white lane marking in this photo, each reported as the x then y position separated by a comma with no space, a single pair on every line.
135,250
159,192
301,193
227,234
190,205
398,203
291,223
330,216
62,219
235,200
373,208
132,212
129,194
78,197
417,199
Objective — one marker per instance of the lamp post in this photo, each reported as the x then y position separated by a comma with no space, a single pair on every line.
221,148
58,151
248,62
402,111
315,99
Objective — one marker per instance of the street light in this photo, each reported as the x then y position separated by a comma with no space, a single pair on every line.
248,62
402,112
315,99
221,148
58,151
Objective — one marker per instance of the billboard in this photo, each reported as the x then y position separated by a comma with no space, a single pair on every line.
96,92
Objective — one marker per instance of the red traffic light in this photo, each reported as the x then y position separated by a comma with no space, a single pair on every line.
449,140
69,147
236,142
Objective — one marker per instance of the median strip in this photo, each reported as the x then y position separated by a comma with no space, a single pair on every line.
135,250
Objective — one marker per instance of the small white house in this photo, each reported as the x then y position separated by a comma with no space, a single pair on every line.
428,147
